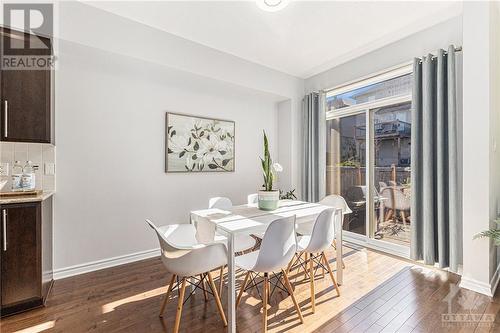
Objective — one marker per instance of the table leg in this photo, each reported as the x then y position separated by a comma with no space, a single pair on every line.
231,294
338,229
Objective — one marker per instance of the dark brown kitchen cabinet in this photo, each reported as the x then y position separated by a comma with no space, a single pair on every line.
26,255
26,94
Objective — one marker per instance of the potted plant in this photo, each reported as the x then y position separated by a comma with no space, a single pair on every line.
268,198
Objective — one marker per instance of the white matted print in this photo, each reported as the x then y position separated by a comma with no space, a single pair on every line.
197,144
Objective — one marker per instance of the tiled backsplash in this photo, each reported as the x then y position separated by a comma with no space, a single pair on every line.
41,154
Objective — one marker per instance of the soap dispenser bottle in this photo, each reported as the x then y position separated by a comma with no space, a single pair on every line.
28,179
17,175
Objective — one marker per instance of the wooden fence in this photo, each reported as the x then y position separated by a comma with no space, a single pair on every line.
348,176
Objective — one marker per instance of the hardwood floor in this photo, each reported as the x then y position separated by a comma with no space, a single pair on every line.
380,294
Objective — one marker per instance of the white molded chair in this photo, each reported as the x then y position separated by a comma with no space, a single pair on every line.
314,246
242,243
220,203
395,201
277,249
332,200
252,199
187,259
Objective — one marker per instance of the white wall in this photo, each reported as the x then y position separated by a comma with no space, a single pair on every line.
495,121
120,35
481,107
402,51
110,127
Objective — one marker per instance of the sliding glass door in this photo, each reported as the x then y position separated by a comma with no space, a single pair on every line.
368,133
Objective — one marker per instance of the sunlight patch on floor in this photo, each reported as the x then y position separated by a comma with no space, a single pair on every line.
135,298
38,328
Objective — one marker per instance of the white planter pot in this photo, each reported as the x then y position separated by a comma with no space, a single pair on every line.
268,200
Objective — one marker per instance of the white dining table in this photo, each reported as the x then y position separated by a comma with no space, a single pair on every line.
249,219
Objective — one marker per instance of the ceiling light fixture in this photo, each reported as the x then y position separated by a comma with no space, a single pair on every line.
272,5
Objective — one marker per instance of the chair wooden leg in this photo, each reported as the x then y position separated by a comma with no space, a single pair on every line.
268,291
403,216
217,299
205,295
292,262
327,264
264,303
306,261
388,215
169,290
179,306
311,277
290,290
243,286
221,280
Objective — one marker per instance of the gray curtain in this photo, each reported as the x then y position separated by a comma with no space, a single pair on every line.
314,149
435,208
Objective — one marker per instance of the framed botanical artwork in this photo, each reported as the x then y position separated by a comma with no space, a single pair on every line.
198,144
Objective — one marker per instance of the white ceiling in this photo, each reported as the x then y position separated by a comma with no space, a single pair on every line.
303,39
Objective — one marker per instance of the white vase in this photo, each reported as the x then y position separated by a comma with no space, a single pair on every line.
268,200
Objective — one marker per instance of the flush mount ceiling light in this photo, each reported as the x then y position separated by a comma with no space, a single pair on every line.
272,5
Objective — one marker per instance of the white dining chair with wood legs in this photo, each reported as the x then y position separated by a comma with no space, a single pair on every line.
188,261
332,200
277,249
314,246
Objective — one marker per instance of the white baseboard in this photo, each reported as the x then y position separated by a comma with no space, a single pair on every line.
487,289
65,272
477,286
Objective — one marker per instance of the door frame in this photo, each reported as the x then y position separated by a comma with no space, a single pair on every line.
368,109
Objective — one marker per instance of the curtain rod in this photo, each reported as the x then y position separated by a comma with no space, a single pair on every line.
457,49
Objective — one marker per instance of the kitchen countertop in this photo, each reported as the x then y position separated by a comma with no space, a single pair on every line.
28,198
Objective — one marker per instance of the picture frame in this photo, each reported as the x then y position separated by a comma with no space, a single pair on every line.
198,144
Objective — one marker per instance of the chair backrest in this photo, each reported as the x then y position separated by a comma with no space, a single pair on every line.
191,259
278,245
205,230
395,199
252,198
336,201
165,245
392,183
220,203
323,231
382,185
